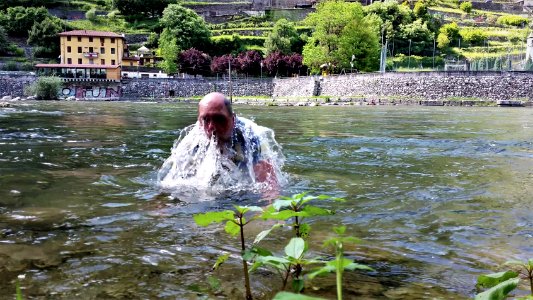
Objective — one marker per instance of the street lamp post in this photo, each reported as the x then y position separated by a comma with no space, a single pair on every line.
409,60
434,52
261,64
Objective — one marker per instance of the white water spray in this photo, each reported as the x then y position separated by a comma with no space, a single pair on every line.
196,161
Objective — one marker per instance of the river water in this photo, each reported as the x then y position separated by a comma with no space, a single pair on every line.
438,195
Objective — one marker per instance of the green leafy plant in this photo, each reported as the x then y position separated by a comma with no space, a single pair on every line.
340,263
500,284
235,222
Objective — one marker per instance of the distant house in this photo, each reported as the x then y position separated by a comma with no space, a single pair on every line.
89,55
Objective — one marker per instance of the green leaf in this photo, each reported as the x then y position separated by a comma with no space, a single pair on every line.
530,263
339,230
321,271
298,285
355,266
220,260
304,230
250,254
281,215
213,217
279,204
316,211
255,266
500,291
490,280
244,209
295,248
273,260
232,228
292,296
264,233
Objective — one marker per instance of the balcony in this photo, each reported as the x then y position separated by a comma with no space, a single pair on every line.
90,54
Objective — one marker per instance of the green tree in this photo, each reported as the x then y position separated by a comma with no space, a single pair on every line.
18,20
340,32
415,36
91,15
443,41
45,34
282,38
466,7
187,26
4,44
169,52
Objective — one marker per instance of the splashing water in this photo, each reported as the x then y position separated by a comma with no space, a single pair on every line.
197,161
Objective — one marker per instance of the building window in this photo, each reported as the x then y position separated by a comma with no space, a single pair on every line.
112,50
102,41
91,61
102,50
69,49
68,38
112,40
69,61
79,39
131,63
102,61
80,61
90,39
79,50
112,61
91,49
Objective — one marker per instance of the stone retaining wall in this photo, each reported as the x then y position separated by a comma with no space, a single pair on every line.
183,88
432,85
13,83
410,86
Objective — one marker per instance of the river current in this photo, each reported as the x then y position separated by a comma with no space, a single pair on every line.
439,195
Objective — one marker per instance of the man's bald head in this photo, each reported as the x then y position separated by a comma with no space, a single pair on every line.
215,115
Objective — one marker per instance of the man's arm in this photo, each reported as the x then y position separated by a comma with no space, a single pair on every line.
264,172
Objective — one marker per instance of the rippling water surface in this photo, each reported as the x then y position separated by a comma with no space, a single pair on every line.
439,196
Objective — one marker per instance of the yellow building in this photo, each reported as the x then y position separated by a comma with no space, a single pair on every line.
88,54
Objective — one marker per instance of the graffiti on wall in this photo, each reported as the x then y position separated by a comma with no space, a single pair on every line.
92,92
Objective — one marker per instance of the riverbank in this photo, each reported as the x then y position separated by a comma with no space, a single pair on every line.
409,88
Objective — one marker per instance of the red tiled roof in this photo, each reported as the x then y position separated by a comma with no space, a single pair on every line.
91,33
84,66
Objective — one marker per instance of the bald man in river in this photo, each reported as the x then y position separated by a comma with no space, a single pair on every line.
216,117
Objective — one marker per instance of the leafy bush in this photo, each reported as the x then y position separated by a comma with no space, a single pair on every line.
27,66
512,20
11,66
91,15
474,37
466,7
45,88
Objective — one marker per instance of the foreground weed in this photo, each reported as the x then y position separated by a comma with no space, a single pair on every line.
502,283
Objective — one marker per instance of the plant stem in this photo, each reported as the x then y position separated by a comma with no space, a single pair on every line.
339,271
297,226
531,281
244,263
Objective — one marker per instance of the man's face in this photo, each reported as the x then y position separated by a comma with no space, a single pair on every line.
215,119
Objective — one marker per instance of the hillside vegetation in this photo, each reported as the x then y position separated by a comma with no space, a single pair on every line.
417,35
